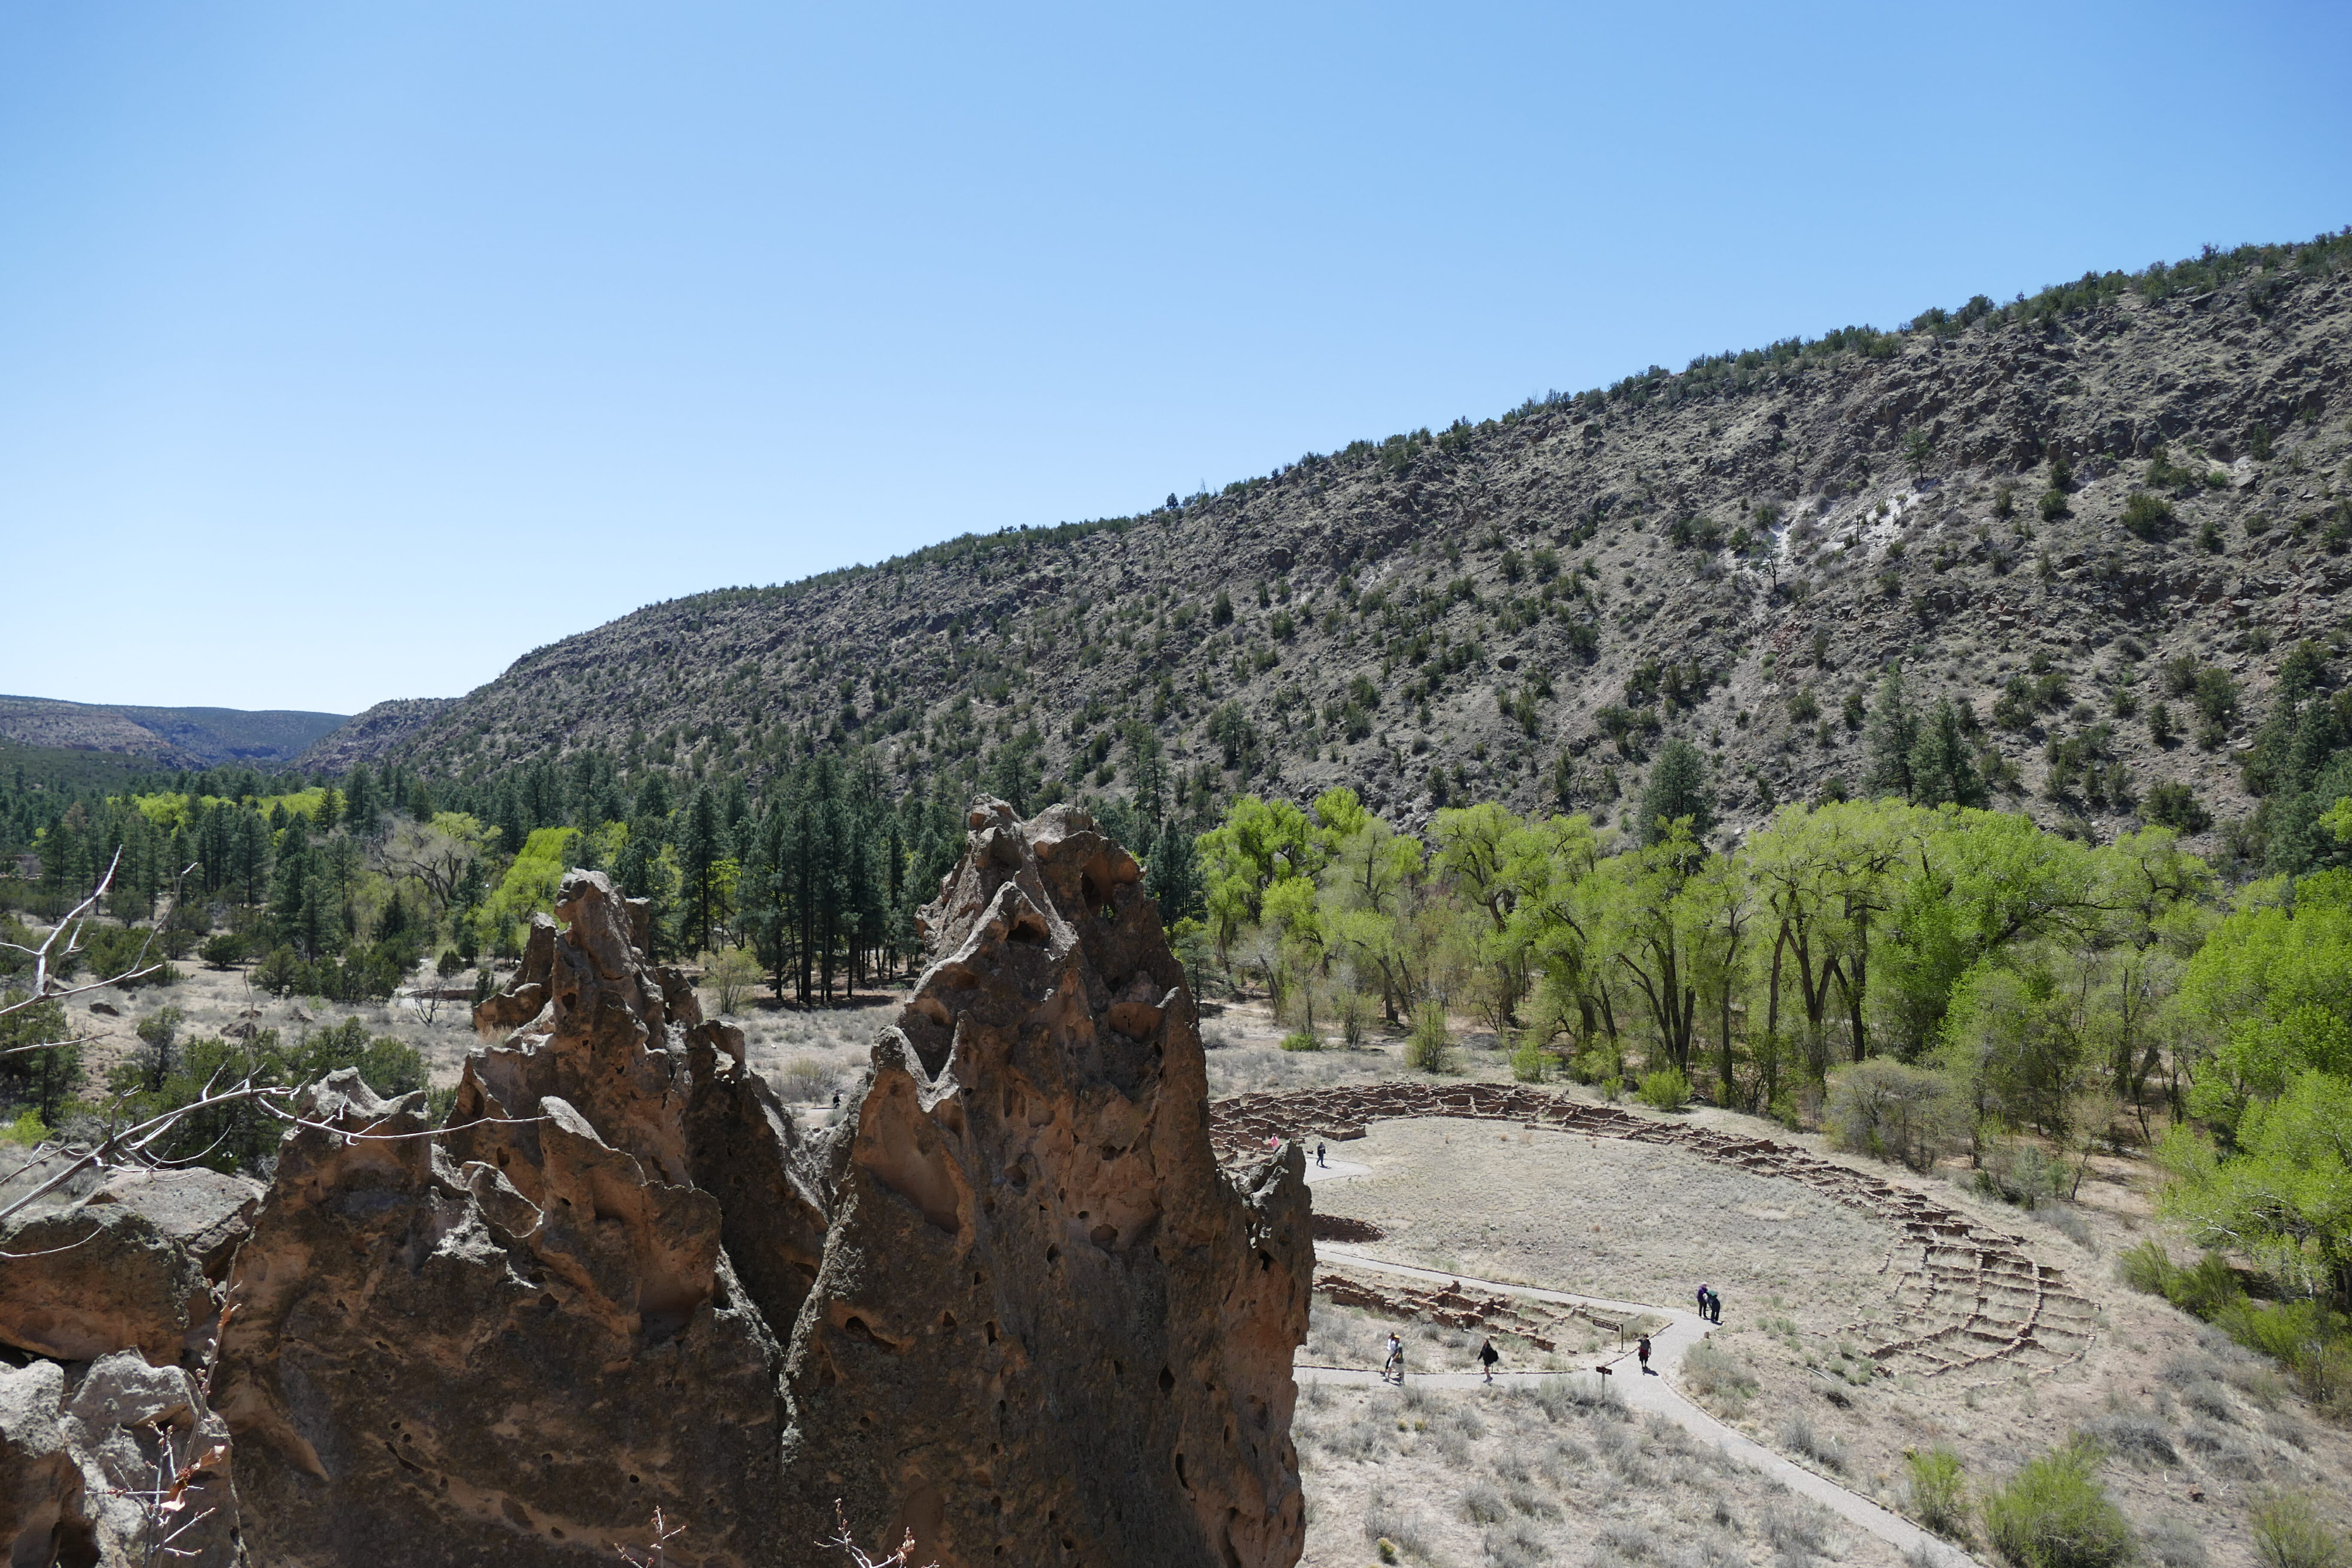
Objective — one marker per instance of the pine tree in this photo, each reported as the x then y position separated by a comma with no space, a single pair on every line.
1677,788
362,806
1173,876
1943,768
1892,733
248,856
699,850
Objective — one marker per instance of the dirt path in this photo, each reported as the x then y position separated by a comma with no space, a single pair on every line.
1654,1393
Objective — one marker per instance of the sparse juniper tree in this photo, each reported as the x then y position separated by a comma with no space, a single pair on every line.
1677,788
1891,735
1918,446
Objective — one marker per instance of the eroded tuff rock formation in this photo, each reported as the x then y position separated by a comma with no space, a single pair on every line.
84,1445
1046,1327
513,1341
1009,1301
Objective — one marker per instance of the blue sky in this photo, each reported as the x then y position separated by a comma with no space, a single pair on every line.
347,352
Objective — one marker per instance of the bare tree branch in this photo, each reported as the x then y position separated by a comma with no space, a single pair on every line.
133,1142
76,922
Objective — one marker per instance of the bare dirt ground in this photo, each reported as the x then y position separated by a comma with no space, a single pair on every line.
2196,1428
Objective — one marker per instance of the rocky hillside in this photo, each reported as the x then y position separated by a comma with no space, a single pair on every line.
365,737
2039,508
171,737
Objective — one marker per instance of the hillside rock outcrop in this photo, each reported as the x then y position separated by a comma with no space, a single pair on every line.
1046,1327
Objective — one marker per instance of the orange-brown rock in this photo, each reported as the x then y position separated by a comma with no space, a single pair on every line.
1046,1327
512,1342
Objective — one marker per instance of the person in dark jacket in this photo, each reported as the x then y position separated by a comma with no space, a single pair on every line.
1487,1357
1645,1352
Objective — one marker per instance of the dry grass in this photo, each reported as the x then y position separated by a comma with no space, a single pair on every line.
1532,1473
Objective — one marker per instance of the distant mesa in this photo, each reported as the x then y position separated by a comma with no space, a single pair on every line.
173,737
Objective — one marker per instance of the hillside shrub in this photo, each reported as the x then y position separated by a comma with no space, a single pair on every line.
1890,1112
2175,805
2290,1533
1798,1435
2309,1339
1664,1090
1302,1040
1939,1490
2057,1513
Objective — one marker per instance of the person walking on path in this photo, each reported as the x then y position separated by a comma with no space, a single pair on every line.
1395,1362
1703,1294
1713,1307
1644,1354
1318,1152
1487,1357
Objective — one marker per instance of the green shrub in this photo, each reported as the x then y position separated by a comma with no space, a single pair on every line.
2175,805
1301,1040
2018,1172
2290,1533
1665,1090
2056,1513
2146,516
2307,1337
1710,1371
1939,1490
1528,1061
1430,1047
26,1130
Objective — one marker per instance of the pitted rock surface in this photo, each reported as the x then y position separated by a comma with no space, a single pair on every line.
512,1342
90,1279
1046,1326
82,1446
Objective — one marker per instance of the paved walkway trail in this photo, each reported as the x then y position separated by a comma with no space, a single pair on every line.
1653,1394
